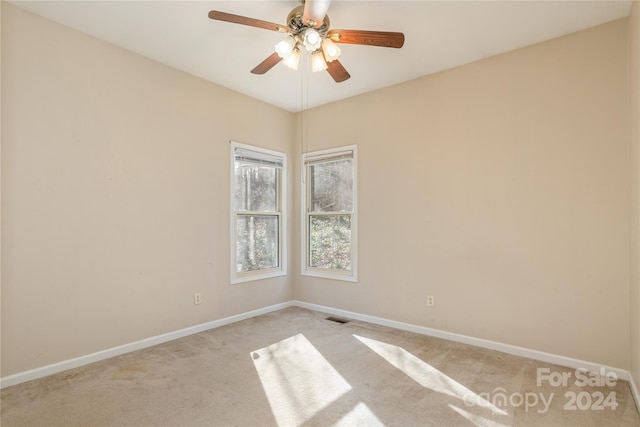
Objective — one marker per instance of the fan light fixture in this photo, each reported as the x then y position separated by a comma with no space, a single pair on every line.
322,50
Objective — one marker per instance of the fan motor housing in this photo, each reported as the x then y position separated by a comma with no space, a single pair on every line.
295,24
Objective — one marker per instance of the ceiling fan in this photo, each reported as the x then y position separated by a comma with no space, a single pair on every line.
308,28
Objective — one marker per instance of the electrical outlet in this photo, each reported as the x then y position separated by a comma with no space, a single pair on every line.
430,301
197,298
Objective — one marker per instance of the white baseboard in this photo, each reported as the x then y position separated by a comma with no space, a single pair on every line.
479,342
127,348
159,339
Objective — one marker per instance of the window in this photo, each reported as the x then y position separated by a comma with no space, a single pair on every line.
330,203
257,216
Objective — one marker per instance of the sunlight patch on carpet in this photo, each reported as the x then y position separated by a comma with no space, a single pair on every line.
477,419
360,415
297,380
425,374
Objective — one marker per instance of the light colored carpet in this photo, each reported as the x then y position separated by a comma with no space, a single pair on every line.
294,367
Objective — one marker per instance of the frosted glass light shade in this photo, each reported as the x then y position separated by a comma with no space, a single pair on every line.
311,40
331,50
293,59
285,47
317,61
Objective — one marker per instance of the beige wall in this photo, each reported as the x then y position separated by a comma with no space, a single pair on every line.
115,185
502,189
634,73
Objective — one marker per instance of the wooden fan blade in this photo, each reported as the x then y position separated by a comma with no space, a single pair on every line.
237,19
267,64
314,12
337,71
370,38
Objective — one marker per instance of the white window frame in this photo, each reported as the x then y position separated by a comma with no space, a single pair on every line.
281,270
315,156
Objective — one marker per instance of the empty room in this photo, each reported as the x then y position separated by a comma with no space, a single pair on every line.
352,213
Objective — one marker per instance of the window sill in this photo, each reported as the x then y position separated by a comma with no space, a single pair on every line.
332,276
251,277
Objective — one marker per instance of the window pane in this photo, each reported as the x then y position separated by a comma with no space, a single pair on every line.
255,188
332,186
330,242
257,242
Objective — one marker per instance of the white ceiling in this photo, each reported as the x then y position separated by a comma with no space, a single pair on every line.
438,35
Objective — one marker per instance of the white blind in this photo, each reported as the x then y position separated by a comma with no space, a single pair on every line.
248,156
329,157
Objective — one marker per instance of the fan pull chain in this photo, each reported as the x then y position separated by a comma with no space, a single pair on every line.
304,111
